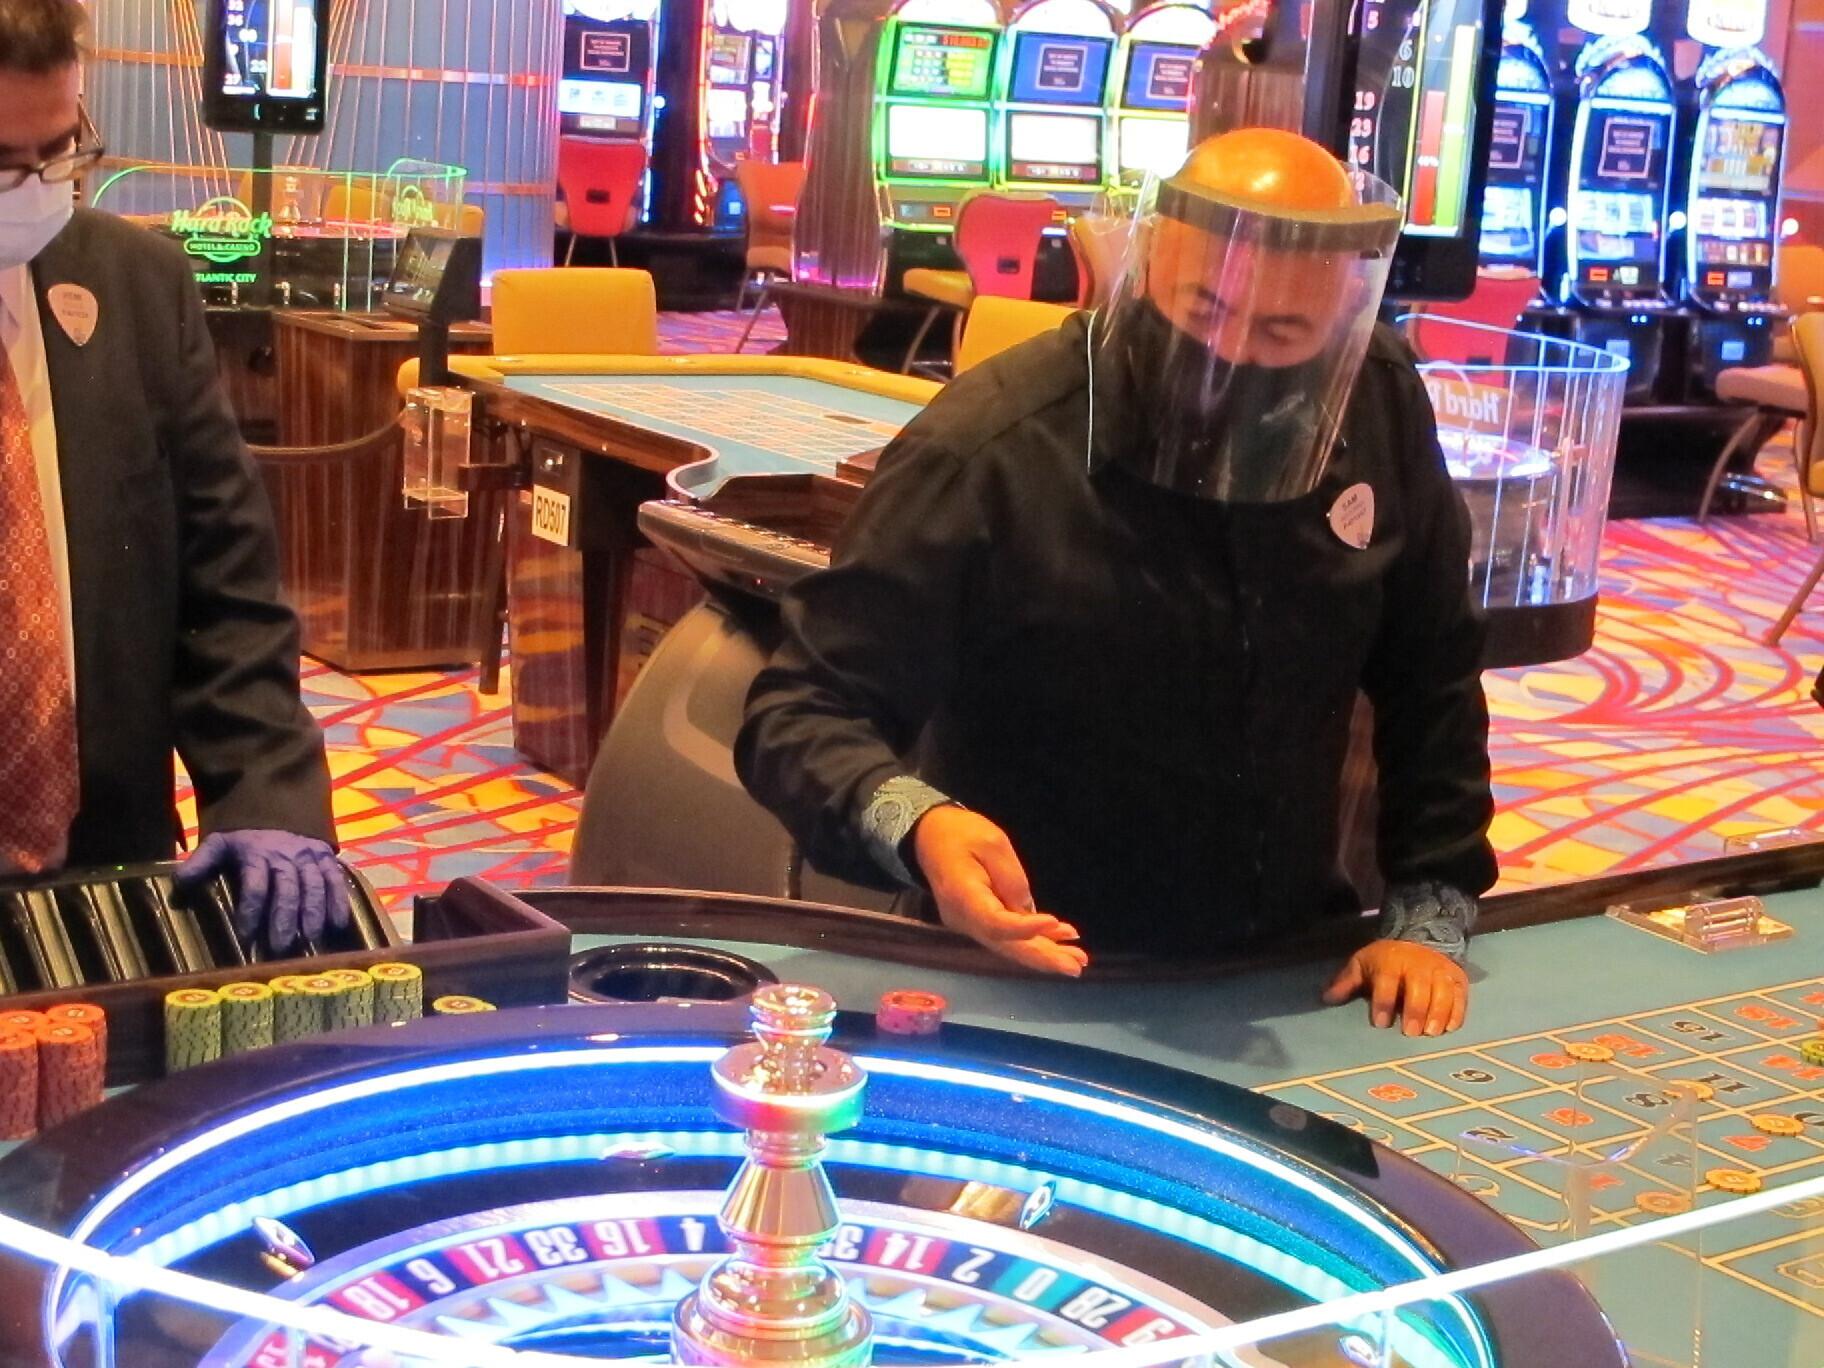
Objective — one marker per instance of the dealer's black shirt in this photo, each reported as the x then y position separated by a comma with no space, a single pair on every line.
1150,693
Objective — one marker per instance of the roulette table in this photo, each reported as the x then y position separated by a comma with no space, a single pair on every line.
548,1180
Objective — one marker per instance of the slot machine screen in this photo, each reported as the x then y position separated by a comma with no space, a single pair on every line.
1159,77
265,66
1154,147
603,85
1627,148
1052,69
1741,155
1510,224
1513,141
725,113
729,55
1423,122
932,142
940,62
1055,147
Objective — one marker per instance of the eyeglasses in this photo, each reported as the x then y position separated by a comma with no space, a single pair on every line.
67,167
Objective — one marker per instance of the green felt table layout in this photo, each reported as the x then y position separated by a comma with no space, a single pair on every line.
1731,1021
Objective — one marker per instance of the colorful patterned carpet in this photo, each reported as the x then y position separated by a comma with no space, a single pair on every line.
1677,730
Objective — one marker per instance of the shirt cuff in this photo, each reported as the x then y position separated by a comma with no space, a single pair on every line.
889,818
1431,914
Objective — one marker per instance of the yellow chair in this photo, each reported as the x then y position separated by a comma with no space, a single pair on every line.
1808,448
354,199
996,323
566,311
1099,243
1798,287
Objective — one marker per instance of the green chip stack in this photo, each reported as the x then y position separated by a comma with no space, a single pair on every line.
398,993
193,1028
1812,1051
352,1002
296,1014
247,1014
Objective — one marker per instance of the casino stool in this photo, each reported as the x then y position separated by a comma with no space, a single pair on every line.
1773,395
663,807
770,191
600,181
1798,288
1500,296
471,220
998,237
1098,242
994,324
1807,450
567,311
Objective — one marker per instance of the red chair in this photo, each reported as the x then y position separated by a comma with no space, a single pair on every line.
1500,297
600,182
998,237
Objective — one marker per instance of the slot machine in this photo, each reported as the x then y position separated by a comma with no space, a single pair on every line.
1519,156
1156,69
1731,203
740,105
1051,92
933,120
1608,262
605,88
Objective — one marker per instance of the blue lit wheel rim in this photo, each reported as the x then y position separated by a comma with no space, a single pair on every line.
1169,1197
598,1278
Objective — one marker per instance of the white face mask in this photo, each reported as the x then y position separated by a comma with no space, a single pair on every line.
31,216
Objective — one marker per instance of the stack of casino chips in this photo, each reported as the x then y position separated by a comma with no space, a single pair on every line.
398,993
247,1012
351,1003
52,1066
193,1028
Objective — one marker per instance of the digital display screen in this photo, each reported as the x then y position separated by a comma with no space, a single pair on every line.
725,113
1051,69
1734,219
1740,154
1618,242
1155,147
1626,146
1415,114
418,272
266,63
603,85
1159,77
1055,147
931,142
952,63
270,48
1510,224
1509,136
728,59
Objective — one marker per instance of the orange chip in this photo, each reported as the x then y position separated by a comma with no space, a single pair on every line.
1663,1203
1773,1123
1589,1053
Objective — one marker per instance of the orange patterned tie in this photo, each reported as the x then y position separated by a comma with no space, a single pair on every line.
38,776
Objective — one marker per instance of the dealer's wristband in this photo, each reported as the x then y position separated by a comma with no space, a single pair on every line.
888,820
1431,914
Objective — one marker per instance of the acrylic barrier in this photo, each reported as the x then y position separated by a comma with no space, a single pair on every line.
1528,425
314,1227
291,236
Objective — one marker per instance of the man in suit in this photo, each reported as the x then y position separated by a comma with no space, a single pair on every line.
139,607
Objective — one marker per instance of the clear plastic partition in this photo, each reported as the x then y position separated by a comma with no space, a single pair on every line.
290,236
1528,425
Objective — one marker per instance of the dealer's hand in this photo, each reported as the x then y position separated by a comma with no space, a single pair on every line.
981,890
284,884
1427,992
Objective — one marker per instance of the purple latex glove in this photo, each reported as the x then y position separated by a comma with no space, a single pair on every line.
286,884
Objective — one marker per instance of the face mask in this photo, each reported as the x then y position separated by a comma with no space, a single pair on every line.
30,217
1220,430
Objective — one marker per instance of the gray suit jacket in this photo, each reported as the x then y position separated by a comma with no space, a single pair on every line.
182,642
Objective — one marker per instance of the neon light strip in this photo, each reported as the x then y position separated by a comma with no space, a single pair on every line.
128,1276
1364,1305
361,1089
1309,1281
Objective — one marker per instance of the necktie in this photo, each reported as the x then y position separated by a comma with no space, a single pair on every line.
38,773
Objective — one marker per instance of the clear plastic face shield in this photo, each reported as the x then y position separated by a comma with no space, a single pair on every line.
1235,332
